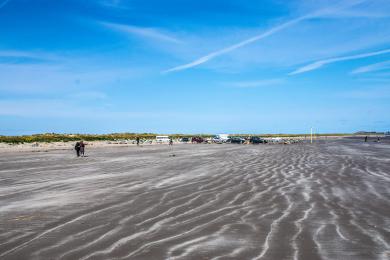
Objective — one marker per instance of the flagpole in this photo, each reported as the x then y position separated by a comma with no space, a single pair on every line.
311,135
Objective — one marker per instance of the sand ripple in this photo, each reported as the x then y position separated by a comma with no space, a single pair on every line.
329,200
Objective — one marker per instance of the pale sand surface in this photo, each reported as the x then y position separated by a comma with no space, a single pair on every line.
329,200
45,147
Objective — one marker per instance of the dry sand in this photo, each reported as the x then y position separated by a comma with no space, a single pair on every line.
329,200
45,147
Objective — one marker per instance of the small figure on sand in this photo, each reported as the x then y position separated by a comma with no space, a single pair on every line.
365,138
170,141
82,148
137,140
77,148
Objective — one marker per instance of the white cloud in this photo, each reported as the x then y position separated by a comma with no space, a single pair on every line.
373,67
69,76
61,108
151,33
321,63
360,14
37,55
236,46
368,93
255,83
113,4
281,27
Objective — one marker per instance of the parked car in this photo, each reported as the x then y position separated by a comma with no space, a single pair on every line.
185,140
197,139
257,140
217,140
207,140
220,138
236,140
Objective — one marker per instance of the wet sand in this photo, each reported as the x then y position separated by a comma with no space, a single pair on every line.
329,200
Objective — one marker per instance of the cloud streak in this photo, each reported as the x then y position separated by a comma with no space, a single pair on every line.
141,31
27,57
318,64
369,93
4,3
263,35
215,54
373,67
255,83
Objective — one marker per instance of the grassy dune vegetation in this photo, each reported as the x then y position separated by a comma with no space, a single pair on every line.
53,137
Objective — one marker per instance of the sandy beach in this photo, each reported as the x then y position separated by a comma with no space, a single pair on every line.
45,147
327,200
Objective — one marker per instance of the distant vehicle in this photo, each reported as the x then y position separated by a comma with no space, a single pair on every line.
217,140
236,140
257,140
220,138
224,137
197,139
276,140
162,139
185,140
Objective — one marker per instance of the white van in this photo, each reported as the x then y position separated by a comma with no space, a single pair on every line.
162,139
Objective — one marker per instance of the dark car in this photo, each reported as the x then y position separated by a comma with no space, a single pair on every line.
197,139
257,140
185,139
236,140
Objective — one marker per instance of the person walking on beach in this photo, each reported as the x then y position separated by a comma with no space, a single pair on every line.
77,148
137,140
365,138
170,141
82,148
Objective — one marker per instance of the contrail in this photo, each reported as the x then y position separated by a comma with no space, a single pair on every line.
273,30
145,32
320,63
236,46
4,3
372,67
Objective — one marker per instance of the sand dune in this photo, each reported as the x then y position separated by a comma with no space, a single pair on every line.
329,200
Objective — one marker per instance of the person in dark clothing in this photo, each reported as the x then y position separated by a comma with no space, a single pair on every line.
82,148
137,139
365,138
77,148
170,141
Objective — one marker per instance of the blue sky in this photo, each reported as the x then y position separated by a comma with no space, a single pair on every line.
181,66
